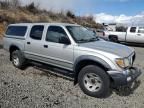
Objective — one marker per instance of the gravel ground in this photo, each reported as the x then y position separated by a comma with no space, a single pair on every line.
33,88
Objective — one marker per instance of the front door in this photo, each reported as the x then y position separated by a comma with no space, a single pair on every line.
140,35
58,53
135,35
131,34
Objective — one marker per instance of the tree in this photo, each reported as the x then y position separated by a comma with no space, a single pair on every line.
70,14
4,4
33,8
15,3
121,29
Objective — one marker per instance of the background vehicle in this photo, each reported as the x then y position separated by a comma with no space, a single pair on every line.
102,33
96,64
131,34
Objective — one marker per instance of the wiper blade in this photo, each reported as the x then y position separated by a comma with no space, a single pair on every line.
88,40
94,39
83,40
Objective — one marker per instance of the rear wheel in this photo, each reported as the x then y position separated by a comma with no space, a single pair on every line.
113,39
94,81
18,59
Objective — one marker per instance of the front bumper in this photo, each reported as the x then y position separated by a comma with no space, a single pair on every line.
126,77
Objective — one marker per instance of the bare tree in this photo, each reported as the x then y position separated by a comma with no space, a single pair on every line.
15,3
4,4
9,4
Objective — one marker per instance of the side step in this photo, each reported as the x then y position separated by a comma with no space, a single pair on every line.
54,70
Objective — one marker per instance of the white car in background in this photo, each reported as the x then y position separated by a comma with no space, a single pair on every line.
132,35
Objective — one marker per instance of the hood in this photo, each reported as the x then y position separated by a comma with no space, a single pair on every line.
109,47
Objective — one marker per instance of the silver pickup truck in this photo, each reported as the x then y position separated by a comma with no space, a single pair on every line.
97,64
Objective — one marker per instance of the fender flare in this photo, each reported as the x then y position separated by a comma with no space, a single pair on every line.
88,58
12,45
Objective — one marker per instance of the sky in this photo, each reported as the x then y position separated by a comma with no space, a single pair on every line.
104,11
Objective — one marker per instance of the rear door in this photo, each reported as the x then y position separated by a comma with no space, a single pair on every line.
34,44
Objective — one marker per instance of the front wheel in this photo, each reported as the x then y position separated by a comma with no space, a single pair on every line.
94,81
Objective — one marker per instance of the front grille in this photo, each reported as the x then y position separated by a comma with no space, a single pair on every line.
132,59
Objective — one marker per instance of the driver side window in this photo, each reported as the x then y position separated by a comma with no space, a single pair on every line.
54,34
133,29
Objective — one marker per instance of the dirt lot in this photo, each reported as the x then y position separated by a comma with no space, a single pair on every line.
33,88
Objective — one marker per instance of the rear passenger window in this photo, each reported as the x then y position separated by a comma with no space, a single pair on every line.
16,31
141,30
36,32
133,29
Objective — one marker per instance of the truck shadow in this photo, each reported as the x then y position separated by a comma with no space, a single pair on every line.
126,91
48,70
1,46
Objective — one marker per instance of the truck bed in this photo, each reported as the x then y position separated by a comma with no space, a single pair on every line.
121,35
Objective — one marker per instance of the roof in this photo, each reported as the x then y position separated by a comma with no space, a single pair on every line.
60,24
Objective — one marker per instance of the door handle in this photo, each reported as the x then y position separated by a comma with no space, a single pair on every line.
28,43
45,46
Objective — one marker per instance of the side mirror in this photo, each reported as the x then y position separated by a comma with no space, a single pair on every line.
64,40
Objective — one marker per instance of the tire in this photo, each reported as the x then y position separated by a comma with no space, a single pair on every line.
113,39
86,81
18,59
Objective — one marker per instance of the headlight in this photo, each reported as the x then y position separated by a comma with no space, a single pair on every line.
123,62
126,62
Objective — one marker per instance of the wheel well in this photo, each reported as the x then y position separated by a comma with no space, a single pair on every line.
85,63
11,49
110,36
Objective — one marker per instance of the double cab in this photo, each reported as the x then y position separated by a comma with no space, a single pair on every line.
95,63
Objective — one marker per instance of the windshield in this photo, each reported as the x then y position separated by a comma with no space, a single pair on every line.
81,34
